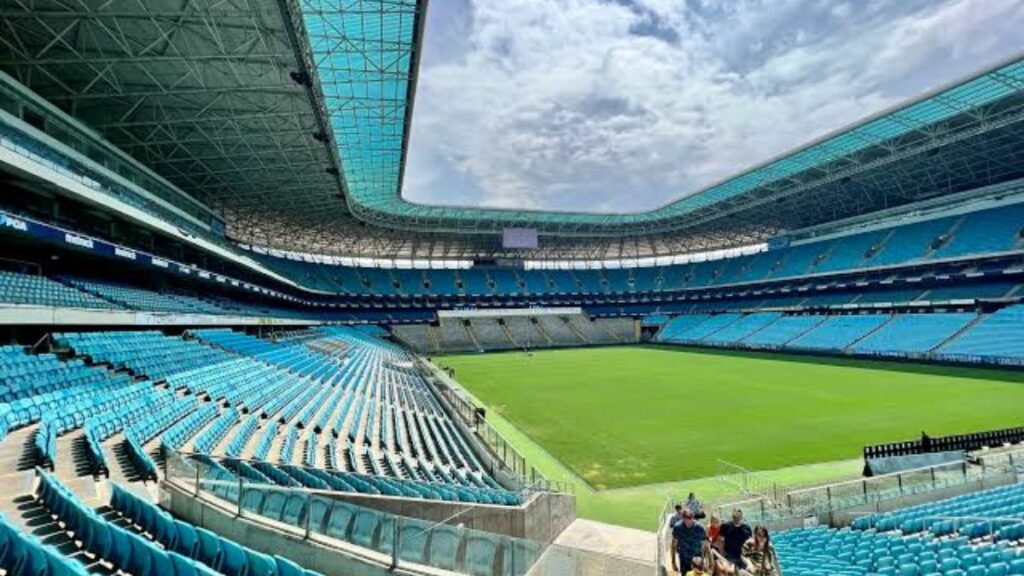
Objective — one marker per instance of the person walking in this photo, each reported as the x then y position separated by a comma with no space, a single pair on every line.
736,534
759,555
689,541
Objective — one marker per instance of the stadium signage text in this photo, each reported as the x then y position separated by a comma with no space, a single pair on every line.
15,223
124,253
54,234
76,240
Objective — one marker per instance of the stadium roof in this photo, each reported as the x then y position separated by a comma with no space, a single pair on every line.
291,117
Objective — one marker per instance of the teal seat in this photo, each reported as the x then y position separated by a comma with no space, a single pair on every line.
444,547
364,528
341,518
413,544
480,555
234,562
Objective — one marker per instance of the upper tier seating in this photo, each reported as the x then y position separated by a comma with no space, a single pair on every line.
996,230
41,291
989,231
140,299
911,242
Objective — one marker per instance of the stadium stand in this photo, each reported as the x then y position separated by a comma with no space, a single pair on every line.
995,336
18,288
515,331
914,333
138,299
969,534
990,337
898,237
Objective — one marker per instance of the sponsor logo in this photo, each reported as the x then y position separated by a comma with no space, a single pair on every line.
15,223
124,253
159,262
78,240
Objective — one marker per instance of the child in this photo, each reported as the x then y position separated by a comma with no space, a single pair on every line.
713,528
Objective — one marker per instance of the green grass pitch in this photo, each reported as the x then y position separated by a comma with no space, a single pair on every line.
630,416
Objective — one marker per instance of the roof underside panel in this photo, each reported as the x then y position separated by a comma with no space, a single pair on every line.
212,97
200,92
366,58
362,52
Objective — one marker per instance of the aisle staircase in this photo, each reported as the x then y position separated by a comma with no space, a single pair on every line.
583,338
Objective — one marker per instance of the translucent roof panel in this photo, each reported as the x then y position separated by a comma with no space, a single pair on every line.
364,53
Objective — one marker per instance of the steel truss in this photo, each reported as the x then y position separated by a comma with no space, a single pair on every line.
226,100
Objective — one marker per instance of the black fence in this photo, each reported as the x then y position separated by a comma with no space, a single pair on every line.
928,445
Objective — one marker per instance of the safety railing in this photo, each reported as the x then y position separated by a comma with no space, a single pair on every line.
371,535
839,496
507,458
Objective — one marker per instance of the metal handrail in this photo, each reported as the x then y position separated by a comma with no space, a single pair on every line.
881,477
201,490
525,494
790,509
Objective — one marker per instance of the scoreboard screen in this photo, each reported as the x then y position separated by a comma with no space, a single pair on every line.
525,238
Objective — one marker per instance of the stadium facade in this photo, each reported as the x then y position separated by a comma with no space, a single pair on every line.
240,165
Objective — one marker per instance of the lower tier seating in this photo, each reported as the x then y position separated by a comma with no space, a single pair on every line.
961,336
975,534
515,332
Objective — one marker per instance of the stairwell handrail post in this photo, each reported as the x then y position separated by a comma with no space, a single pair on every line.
309,512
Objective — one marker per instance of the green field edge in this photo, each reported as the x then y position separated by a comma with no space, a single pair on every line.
639,506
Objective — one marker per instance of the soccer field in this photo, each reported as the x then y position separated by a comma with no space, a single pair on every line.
630,416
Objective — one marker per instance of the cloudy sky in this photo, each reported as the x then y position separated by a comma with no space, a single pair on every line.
624,105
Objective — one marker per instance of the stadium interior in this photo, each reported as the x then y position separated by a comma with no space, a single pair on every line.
230,346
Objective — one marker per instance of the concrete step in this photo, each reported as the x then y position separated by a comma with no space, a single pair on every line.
18,450
31,517
72,455
122,470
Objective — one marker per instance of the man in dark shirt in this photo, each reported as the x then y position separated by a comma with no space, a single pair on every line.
735,533
689,539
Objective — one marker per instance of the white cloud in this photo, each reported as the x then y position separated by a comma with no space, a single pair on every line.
623,106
